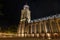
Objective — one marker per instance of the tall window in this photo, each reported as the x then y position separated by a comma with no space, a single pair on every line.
37,28
42,28
33,28
48,27
54,26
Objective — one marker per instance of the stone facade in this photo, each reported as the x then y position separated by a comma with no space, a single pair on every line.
44,27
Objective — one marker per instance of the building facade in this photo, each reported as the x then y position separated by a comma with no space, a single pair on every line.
42,27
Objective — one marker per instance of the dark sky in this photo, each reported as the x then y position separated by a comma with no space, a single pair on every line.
39,8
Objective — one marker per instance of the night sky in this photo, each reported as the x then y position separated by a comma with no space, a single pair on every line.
39,9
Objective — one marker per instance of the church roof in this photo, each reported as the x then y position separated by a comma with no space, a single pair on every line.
46,18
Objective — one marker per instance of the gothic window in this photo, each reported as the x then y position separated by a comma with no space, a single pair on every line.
54,26
48,26
42,28
33,29
37,27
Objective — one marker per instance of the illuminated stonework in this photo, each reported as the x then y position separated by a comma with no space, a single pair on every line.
25,13
44,27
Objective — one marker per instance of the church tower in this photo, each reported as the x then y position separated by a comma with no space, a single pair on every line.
25,14
24,20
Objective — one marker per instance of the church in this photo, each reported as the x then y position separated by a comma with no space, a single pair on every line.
42,27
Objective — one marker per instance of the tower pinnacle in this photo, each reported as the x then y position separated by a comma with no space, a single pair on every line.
26,6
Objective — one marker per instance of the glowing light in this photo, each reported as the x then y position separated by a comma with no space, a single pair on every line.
55,34
43,35
23,20
22,35
18,35
37,35
48,36
32,35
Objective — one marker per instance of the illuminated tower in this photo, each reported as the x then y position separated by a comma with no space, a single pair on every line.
25,19
25,13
